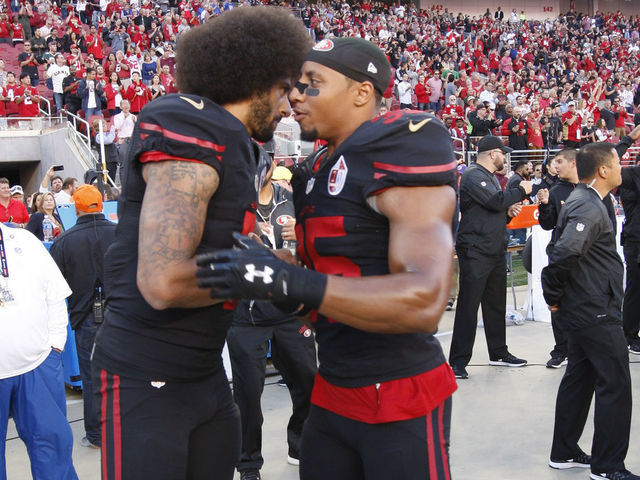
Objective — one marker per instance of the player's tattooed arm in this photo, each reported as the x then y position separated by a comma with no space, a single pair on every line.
413,296
171,224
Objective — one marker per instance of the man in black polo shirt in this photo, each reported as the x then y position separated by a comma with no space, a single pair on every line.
79,253
191,180
481,244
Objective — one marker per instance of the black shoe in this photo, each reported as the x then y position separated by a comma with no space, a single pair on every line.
282,383
582,460
508,361
449,306
621,475
634,346
459,372
557,362
250,475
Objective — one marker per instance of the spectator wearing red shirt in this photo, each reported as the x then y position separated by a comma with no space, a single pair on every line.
17,31
137,93
571,127
27,98
422,92
5,29
168,82
94,44
453,110
11,211
621,118
122,68
114,93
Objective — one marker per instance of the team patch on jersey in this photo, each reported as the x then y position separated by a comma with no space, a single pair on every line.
284,219
310,183
484,184
580,227
325,45
337,176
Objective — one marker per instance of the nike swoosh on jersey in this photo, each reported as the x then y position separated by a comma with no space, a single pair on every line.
198,105
414,127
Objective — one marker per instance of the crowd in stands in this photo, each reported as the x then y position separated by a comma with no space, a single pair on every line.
568,80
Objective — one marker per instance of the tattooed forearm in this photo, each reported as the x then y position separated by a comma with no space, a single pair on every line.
171,225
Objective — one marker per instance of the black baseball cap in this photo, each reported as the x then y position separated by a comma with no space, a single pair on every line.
491,142
355,58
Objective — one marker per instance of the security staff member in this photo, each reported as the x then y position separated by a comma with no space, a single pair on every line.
79,253
583,282
551,201
480,245
293,352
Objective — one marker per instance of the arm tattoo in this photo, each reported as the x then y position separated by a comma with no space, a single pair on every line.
173,213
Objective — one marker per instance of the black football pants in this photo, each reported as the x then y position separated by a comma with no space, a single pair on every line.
168,431
482,282
598,362
293,353
338,448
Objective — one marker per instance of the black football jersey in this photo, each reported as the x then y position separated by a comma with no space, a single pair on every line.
340,234
176,344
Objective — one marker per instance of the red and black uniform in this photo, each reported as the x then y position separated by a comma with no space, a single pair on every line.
168,363
380,386
29,106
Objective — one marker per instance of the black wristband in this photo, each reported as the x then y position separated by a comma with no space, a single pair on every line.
305,286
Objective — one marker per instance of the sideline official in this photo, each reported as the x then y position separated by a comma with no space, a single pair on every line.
551,202
79,253
481,244
583,282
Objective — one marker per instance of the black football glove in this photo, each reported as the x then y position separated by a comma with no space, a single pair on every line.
251,271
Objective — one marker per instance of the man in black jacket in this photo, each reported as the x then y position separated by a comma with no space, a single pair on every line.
79,253
481,244
481,122
293,352
551,202
583,282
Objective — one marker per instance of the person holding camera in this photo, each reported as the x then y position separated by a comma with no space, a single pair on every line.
79,253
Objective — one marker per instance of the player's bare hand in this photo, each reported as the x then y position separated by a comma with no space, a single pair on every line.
514,210
288,231
286,255
553,308
527,185
543,195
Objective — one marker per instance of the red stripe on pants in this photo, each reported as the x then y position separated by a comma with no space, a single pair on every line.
443,451
433,469
117,429
103,420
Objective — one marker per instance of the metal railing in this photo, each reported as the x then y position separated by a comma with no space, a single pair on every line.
75,120
44,112
26,124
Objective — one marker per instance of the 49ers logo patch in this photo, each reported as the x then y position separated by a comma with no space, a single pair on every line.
284,219
324,45
337,176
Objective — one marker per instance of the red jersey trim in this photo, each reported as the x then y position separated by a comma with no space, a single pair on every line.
402,169
183,138
391,401
158,156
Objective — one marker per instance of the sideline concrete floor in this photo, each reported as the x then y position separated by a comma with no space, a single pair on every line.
501,426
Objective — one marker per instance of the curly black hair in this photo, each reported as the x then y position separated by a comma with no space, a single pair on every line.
244,52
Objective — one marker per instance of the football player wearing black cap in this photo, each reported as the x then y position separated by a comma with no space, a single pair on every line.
481,244
191,180
373,211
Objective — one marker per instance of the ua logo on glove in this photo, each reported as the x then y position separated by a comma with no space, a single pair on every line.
252,273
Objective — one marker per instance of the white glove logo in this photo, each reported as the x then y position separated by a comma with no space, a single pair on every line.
252,273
